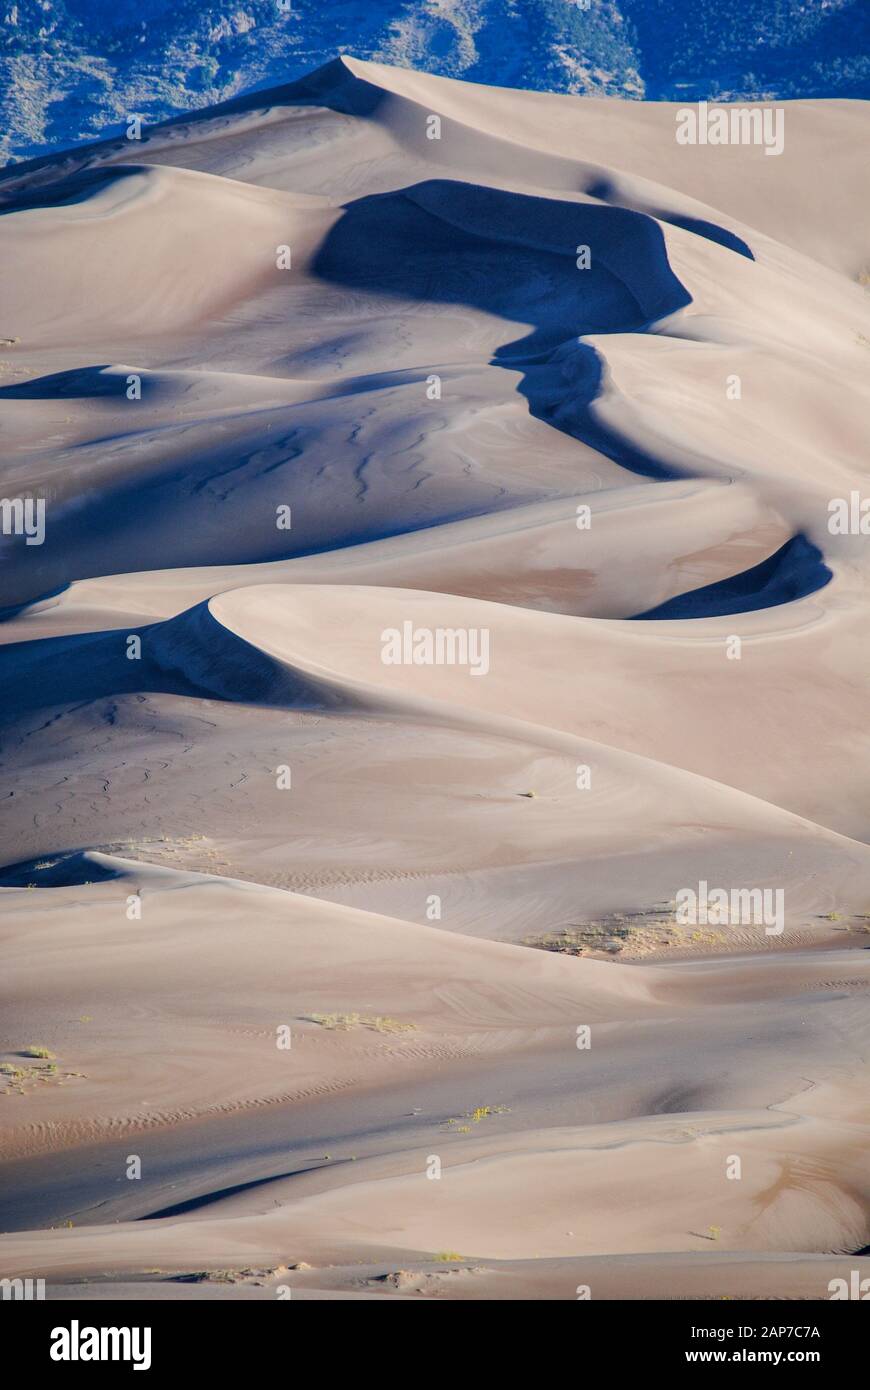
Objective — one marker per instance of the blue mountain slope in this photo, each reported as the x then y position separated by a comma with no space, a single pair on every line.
71,70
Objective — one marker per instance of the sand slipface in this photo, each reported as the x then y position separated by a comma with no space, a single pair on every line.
435,582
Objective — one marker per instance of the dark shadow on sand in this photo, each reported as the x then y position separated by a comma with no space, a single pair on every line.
516,257
798,568
192,655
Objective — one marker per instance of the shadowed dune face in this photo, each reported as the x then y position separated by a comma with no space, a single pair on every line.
503,255
518,257
797,569
437,594
507,254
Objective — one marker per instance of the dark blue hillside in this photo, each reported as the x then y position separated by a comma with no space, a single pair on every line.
74,70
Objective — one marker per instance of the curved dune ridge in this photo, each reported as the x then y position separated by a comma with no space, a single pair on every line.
437,582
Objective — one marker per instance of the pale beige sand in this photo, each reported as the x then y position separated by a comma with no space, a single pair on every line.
527,556
435,1035
694,1276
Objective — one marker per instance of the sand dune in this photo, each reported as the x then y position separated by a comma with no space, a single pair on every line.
149,221
181,1013
308,392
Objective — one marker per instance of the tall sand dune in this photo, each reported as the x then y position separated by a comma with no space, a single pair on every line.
436,854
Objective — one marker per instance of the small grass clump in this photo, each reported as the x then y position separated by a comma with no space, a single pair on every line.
480,1112
16,1078
851,922
635,933
21,1080
378,1023
448,1257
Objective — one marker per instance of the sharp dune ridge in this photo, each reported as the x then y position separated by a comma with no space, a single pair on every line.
375,680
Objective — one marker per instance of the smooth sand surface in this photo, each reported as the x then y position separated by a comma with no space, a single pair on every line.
376,967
